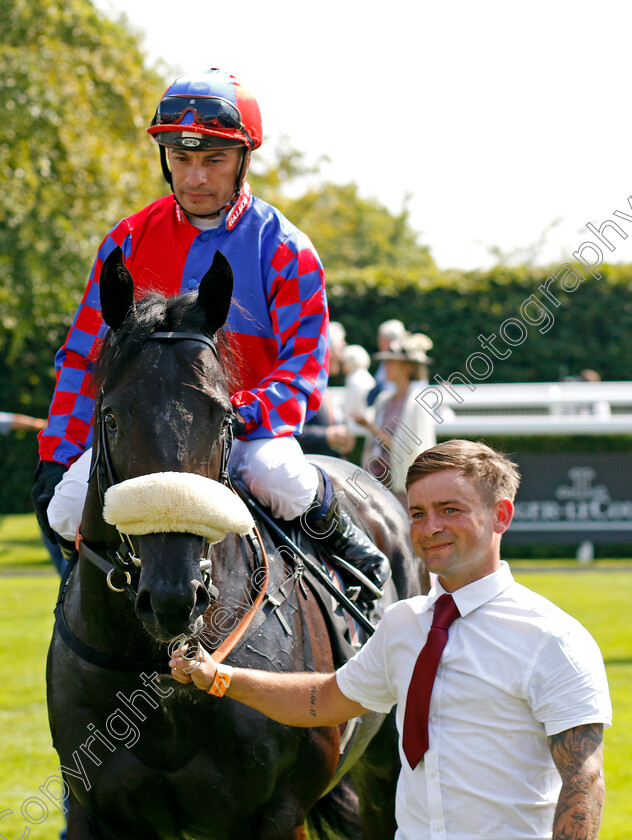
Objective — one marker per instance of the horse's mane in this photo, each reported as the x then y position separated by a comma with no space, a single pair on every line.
155,313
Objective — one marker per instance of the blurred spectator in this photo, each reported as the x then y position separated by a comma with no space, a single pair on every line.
599,408
399,427
337,344
358,380
387,332
326,433
8,423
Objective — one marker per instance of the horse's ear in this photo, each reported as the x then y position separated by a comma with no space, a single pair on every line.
116,288
216,292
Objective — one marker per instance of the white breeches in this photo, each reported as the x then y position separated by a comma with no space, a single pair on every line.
275,471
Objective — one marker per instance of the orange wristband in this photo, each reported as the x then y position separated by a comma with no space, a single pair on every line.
223,676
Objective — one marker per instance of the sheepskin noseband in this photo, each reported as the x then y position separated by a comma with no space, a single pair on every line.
176,502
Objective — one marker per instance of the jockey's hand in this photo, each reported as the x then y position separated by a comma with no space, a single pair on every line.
47,476
197,666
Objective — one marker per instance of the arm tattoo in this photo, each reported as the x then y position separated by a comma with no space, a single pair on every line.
312,700
577,754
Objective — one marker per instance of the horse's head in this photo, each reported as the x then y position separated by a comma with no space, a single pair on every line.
162,408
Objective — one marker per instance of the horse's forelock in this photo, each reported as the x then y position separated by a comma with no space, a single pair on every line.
153,313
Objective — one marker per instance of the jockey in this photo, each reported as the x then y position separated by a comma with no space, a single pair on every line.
206,127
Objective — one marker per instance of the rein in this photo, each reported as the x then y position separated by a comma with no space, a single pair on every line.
125,559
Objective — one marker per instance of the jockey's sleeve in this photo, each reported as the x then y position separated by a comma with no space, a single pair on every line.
291,392
69,431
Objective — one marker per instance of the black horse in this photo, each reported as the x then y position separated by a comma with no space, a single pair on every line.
145,757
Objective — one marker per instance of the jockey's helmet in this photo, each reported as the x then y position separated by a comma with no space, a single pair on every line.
207,110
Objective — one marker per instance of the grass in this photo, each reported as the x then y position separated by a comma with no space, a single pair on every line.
28,758
601,601
599,596
21,547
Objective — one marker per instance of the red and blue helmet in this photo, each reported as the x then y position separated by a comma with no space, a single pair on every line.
207,110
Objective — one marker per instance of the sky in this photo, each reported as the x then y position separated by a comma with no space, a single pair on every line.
506,124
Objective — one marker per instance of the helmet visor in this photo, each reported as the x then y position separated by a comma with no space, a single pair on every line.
207,111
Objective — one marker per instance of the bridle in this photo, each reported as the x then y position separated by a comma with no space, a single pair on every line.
125,559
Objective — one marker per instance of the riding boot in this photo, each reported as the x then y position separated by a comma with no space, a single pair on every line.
345,542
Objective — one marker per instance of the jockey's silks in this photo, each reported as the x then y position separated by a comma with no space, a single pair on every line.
279,327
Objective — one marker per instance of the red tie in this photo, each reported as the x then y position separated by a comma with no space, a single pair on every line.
418,699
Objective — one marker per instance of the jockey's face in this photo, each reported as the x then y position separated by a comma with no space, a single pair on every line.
203,182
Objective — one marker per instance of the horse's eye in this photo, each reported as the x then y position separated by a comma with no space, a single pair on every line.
110,422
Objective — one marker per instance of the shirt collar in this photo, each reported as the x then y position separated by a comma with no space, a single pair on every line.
475,594
207,224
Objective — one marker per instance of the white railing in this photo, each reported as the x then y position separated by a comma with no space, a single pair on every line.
538,408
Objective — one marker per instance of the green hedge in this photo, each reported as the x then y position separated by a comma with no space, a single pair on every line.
18,456
592,326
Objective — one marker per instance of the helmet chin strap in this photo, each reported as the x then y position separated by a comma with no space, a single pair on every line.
241,177
166,172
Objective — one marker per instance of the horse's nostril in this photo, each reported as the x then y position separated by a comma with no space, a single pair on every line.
143,604
202,601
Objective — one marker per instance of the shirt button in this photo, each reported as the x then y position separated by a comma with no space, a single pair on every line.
203,237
